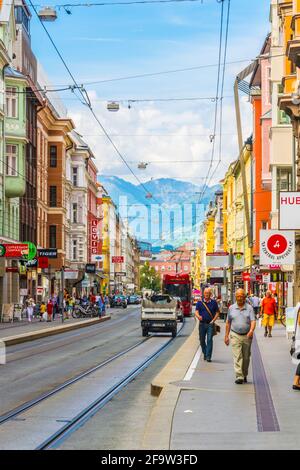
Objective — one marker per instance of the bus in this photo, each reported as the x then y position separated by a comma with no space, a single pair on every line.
179,285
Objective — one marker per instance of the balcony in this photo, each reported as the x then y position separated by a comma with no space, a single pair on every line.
15,186
293,50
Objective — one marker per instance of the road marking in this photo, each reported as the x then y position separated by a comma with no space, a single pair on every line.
193,366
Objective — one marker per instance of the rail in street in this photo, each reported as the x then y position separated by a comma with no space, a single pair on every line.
61,411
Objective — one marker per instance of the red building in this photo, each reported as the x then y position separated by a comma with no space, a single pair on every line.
93,218
173,262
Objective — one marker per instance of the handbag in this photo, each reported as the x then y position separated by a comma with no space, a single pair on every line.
216,328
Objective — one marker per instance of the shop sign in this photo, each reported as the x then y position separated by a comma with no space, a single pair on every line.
93,235
246,277
97,258
70,273
32,263
277,247
31,251
217,260
47,253
117,259
238,260
39,290
43,262
12,269
289,210
13,250
266,278
90,268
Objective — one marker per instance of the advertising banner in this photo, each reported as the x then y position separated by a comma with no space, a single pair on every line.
277,247
289,210
117,259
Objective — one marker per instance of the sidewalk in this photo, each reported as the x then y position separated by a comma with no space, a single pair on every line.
211,412
28,331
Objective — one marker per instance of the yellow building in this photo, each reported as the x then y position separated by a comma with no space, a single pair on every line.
235,226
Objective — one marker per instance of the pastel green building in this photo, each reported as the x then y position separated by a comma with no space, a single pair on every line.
15,142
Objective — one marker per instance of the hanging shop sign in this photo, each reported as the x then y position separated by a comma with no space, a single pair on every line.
14,250
289,210
217,260
47,253
97,258
31,251
117,259
90,268
43,262
277,247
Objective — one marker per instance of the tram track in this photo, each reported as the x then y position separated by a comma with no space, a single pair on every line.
18,415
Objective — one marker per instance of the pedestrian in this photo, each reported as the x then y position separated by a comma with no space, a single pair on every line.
269,311
255,301
43,309
295,352
50,308
207,312
30,307
103,304
240,326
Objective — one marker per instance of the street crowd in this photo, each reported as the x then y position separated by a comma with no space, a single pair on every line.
49,309
239,329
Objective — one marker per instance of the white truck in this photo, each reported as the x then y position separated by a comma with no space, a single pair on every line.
159,314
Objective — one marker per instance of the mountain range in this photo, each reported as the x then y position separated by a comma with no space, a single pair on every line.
162,211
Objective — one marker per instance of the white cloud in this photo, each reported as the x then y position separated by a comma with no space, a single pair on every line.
161,134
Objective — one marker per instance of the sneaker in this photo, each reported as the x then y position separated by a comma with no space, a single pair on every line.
208,360
266,334
239,381
269,335
295,387
204,358
245,380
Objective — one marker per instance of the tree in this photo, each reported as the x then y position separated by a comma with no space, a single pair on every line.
149,279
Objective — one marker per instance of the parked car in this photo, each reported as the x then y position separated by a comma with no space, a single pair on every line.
133,300
118,301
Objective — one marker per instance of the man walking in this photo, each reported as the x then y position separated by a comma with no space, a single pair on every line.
268,310
255,301
207,312
240,326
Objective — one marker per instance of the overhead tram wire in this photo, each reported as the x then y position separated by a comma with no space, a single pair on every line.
87,102
221,98
221,107
217,100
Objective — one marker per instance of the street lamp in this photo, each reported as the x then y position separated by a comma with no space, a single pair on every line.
47,14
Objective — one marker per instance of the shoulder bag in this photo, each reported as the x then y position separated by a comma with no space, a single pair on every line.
217,328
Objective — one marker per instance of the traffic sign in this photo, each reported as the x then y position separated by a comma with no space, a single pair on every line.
117,259
277,247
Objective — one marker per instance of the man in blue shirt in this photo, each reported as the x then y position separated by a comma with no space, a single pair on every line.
207,312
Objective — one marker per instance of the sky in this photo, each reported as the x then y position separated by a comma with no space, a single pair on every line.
111,42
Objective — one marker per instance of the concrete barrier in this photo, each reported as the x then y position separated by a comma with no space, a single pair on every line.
33,335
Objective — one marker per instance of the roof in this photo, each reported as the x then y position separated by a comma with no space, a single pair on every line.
13,73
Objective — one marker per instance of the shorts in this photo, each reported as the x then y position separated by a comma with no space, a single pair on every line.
268,320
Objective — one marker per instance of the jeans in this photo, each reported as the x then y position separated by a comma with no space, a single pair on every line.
206,339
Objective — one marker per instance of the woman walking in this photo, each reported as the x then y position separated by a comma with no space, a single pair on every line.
30,308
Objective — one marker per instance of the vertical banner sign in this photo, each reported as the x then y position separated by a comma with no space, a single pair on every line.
277,247
93,238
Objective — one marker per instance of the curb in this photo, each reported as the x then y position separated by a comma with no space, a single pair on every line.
159,426
24,337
